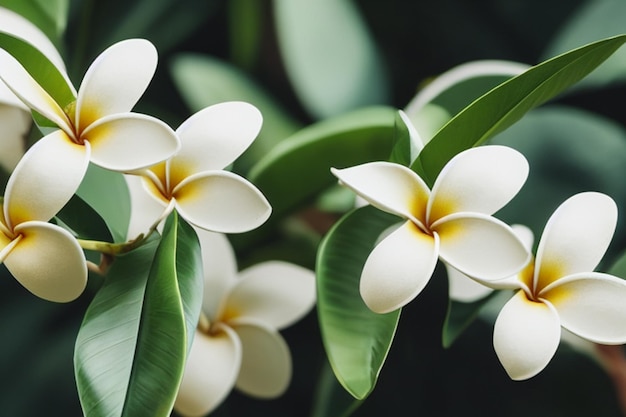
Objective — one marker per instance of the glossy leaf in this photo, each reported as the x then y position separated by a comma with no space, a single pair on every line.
131,348
84,221
49,15
355,338
507,103
329,55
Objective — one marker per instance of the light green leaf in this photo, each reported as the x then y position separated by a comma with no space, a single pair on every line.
48,15
507,103
355,338
203,81
131,348
329,56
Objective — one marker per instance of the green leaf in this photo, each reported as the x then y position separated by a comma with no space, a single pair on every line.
48,15
331,400
106,191
299,168
245,31
459,316
84,221
507,103
131,348
401,151
329,55
204,81
355,338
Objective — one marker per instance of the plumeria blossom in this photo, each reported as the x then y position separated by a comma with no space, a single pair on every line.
453,222
237,343
195,182
43,257
99,125
559,289
466,290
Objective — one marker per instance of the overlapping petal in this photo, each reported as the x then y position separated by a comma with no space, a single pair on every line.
130,141
274,292
210,374
480,180
266,361
526,336
576,237
214,137
115,81
390,187
15,123
221,201
145,209
45,179
48,262
480,246
464,289
591,305
398,268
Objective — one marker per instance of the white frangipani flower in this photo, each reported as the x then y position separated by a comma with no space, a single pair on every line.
44,258
99,126
452,222
559,289
194,180
466,290
237,343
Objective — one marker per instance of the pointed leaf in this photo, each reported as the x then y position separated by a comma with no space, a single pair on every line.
507,103
84,221
355,338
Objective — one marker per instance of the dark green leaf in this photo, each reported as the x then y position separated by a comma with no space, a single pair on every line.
331,400
507,103
355,338
84,221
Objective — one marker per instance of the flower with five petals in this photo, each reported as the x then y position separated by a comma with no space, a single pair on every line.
237,343
559,290
195,182
453,222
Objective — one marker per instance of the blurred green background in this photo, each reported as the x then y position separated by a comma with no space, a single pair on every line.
302,61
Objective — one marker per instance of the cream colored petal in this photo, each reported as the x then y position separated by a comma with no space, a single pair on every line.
48,262
115,80
390,187
210,373
575,237
221,201
220,270
416,142
14,126
481,179
526,336
130,141
266,362
464,289
145,208
45,179
215,136
30,92
481,246
398,268
275,292
591,305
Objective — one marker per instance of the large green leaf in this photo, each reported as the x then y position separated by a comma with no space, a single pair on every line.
329,55
84,221
355,338
48,15
507,103
131,348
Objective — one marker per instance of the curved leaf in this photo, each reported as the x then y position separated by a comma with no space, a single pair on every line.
507,103
49,15
131,348
84,221
329,55
355,338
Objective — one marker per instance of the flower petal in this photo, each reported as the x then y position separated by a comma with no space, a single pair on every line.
222,202
115,81
130,141
591,305
220,270
266,363
575,237
15,123
214,137
145,209
45,179
526,336
48,262
390,187
398,268
481,246
464,289
277,293
210,374
30,92
480,180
